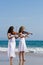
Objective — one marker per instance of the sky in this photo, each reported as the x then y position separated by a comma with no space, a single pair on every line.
27,13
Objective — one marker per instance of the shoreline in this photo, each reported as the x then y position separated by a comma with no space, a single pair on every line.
29,49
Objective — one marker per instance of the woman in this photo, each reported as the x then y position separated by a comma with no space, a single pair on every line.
22,45
11,43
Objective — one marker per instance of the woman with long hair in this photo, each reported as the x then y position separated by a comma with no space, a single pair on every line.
11,43
22,44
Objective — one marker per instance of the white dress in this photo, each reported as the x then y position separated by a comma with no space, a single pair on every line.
22,44
11,47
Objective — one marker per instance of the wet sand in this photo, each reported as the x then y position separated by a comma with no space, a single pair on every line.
31,59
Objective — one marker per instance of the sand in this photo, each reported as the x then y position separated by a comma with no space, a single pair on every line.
31,59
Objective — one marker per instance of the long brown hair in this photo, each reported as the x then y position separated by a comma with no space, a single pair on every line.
10,30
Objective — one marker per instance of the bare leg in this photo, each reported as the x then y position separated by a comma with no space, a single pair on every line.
23,56
11,60
22,62
20,59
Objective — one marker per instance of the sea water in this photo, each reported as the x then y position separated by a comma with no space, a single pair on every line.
35,46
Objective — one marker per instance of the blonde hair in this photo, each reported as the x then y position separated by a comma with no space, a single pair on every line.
21,29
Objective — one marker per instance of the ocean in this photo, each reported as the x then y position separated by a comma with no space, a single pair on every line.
32,46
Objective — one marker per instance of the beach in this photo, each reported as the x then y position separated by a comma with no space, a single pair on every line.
31,59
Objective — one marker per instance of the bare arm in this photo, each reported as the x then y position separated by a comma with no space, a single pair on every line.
16,34
22,36
9,36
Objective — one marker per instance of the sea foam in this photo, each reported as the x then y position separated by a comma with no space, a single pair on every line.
31,50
